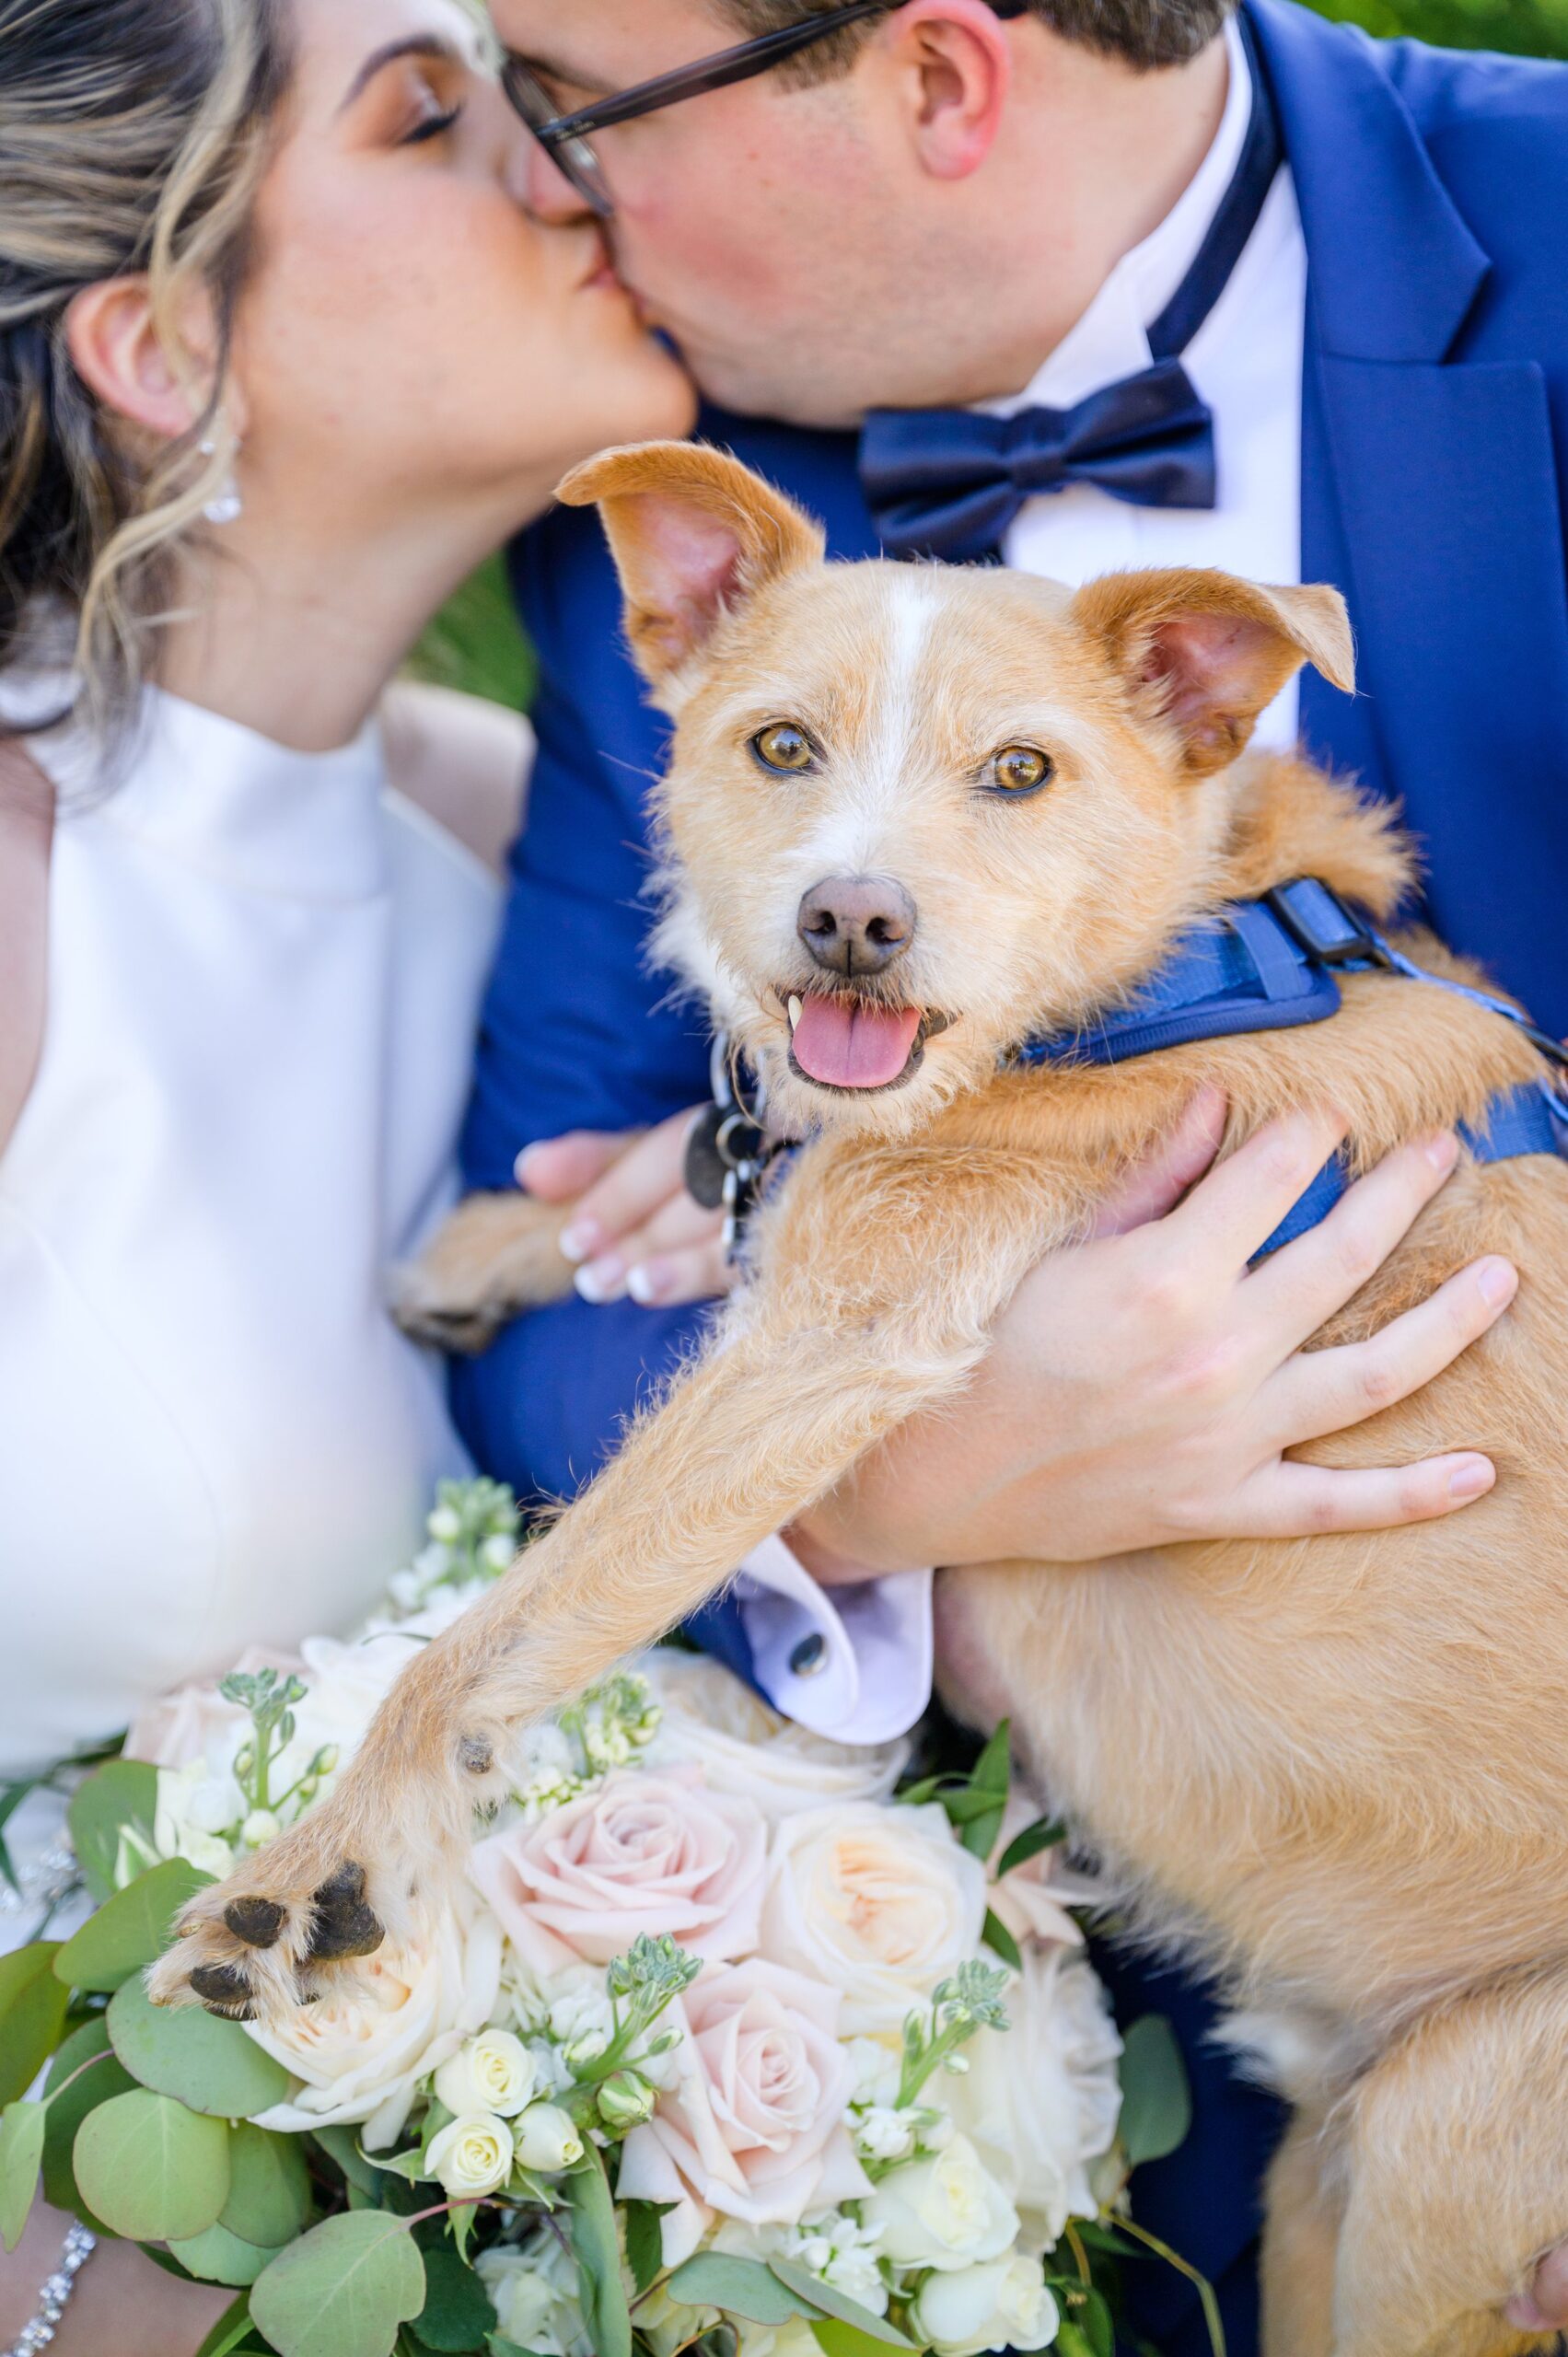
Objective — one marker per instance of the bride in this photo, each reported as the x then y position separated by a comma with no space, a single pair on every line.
281,358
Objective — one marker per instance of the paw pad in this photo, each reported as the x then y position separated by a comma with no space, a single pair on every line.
345,1925
258,1922
224,1990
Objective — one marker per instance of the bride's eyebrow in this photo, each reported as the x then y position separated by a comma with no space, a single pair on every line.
431,45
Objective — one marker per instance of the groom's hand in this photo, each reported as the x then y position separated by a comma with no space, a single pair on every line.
1143,1389
636,1231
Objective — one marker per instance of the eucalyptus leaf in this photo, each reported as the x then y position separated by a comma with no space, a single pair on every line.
152,2170
32,2014
269,2188
1157,2104
342,2145
597,2247
132,1930
343,2289
219,2257
830,2302
501,2347
186,2052
999,1940
68,2105
123,1792
1045,1833
740,2287
457,2314
838,2340
22,2153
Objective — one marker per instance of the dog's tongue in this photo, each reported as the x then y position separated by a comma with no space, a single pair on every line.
846,1045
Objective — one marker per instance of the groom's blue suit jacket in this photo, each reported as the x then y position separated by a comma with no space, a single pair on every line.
1434,196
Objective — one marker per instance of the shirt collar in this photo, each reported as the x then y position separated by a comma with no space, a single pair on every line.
1110,340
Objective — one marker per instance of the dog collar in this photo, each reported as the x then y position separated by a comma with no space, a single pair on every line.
1268,964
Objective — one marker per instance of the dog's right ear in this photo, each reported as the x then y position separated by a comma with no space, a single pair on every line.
693,534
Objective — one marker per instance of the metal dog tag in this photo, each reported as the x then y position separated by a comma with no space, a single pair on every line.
705,1166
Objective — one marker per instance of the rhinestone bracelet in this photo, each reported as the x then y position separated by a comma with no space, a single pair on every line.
54,2294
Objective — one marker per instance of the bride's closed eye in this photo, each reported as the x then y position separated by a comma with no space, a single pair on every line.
431,124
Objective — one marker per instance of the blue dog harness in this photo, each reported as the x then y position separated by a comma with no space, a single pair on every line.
1268,964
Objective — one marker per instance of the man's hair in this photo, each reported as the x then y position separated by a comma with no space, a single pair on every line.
1141,32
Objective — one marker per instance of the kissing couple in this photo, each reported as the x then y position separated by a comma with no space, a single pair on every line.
303,311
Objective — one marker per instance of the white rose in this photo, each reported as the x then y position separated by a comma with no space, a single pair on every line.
534,2293
385,2023
547,2139
492,2072
947,2212
472,2155
881,1903
193,1808
1003,2305
711,1718
1041,2101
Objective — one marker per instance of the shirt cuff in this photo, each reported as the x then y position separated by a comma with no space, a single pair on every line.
855,1665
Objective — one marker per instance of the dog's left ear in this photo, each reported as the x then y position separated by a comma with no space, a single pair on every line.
1207,652
694,534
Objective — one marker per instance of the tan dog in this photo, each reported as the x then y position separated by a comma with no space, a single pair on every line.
919,815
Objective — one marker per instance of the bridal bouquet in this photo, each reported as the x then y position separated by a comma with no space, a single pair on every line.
736,2042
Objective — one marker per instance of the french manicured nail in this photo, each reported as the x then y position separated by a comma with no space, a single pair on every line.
647,1282
603,1280
1470,1480
582,1239
1499,1283
1442,1150
525,1162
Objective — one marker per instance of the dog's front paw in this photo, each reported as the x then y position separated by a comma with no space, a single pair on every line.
271,1937
497,1255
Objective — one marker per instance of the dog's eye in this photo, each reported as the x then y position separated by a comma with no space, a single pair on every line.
782,746
1021,769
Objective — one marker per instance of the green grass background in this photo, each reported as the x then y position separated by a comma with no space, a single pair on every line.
475,643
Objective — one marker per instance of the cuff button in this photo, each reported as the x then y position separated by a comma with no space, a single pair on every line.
809,1657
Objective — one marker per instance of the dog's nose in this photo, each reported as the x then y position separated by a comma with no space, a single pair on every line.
856,924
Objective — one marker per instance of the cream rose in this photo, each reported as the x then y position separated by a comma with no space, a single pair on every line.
471,2156
1033,1901
641,1852
1004,2306
947,2212
1041,2101
547,2139
492,2073
534,2293
713,1720
753,2126
883,1903
362,2050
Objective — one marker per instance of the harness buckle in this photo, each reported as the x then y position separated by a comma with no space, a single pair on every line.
1321,926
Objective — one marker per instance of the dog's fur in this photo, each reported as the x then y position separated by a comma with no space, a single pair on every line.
1335,1769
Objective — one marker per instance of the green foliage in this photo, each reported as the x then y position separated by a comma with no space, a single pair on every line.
644,2242
21,2152
1531,28
131,1930
152,2170
219,2257
741,2287
189,2054
84,2074
597,2249
1157,2104
343,2289
811,2292
268,2189
475,644
231,2329
457,2314
32,2014
121,1795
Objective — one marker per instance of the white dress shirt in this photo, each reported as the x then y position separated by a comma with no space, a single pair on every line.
856,1664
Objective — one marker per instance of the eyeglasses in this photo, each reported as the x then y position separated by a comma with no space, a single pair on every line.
568,138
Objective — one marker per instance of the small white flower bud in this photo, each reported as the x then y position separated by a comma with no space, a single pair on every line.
497,1553
263,1825
547,2139
445,1524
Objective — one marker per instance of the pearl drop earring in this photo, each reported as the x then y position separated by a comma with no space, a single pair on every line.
225,506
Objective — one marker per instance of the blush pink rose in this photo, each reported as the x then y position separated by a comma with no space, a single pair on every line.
753,2126
641,1853
196,1723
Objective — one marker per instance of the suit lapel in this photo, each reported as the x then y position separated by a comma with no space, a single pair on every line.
1429,496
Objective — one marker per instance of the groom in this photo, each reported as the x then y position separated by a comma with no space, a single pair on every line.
1251,292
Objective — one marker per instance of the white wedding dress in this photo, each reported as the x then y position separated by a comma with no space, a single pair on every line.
265,970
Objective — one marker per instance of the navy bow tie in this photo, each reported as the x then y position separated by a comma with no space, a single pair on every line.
947,482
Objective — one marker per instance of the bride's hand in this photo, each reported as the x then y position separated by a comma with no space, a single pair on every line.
636,1231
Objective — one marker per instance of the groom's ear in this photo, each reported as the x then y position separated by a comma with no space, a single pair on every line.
694,535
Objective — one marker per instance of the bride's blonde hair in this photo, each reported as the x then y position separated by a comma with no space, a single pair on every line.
133,138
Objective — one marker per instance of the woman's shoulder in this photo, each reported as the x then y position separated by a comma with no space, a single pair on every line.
462,761
27,826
